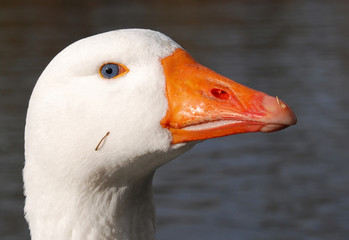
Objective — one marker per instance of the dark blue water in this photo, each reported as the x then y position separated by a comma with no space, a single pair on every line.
292,184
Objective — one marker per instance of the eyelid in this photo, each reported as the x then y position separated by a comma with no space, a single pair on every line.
122,70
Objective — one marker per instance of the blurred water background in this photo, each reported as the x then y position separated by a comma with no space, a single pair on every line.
288,185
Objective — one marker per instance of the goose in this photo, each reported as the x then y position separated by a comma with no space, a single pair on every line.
108,111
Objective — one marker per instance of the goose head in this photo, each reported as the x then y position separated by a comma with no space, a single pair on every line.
112,82
110,109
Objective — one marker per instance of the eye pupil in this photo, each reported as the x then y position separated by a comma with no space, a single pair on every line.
109,70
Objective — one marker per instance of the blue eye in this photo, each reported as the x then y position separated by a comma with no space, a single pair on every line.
112,70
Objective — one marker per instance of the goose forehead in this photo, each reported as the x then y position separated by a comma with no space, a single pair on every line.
128,45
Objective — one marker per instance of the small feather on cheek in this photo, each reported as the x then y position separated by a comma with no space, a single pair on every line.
102,140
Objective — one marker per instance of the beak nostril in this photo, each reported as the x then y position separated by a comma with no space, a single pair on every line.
220,94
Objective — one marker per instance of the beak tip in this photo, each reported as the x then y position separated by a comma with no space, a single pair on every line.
279,113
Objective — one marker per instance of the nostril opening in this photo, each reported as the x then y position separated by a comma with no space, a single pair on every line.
220,94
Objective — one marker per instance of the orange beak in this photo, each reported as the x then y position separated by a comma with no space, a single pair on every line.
204,104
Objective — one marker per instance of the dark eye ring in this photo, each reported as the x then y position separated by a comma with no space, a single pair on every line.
112,70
